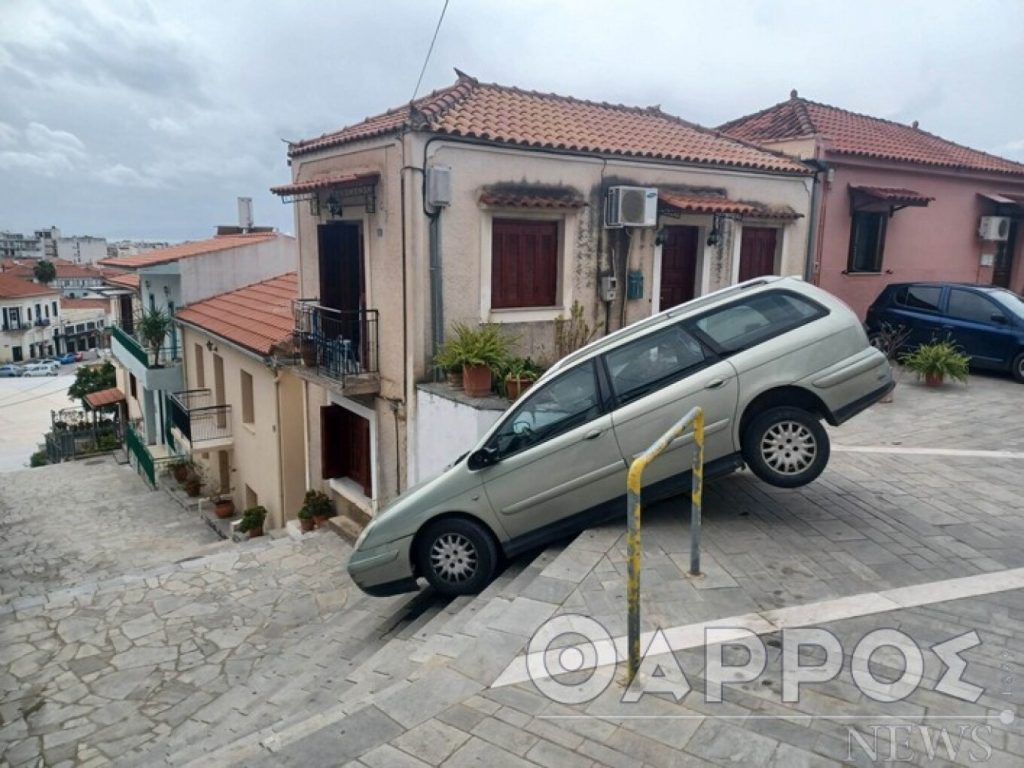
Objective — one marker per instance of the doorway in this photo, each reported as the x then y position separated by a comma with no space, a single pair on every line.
758,247
342,288
1003,266
678,266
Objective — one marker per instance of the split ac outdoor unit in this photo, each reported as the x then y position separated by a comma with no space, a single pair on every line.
631,207
994,228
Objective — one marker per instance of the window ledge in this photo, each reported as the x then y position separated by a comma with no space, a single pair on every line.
525,315
863,274
352,492
250,428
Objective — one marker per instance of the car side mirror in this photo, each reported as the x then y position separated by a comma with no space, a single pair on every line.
485,457
999,319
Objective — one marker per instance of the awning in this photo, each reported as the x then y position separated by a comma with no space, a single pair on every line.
104,397
342,181
721,205
998,199
885,199
346,189
526,199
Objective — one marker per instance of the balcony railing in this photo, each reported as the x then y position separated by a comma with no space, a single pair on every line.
169,354
42,321
339,344
196,416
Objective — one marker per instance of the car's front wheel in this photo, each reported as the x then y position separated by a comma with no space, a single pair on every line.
786,447
457,556
1018,367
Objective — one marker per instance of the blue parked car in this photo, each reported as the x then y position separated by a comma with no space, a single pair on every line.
987,322
66,359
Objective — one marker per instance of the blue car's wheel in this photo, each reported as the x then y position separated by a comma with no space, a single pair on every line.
1018,367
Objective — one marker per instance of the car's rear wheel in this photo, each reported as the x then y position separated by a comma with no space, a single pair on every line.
1018,367
457,556
786,447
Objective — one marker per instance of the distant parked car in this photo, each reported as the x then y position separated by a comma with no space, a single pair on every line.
79,357
768,360
44,368
987,322
9,371
67,358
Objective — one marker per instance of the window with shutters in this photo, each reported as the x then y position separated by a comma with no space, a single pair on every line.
345,446
524,263
867,241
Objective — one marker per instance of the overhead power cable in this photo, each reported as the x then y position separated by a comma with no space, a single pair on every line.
429,51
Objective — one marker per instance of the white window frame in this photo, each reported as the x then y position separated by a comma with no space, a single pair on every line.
702,280
345,487
780,244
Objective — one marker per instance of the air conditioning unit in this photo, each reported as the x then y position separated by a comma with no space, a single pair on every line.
631,207
994,228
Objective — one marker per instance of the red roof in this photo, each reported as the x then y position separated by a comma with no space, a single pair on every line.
14,287
719,204
896,195
84,303
850,133
324,182
104,397
186,250
511,199
256,317
122,279
527,118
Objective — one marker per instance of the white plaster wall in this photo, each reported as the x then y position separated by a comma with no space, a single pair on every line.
445,430
35,334
221,271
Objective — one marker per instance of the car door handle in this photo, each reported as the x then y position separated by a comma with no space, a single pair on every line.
947,327
593,434
714,384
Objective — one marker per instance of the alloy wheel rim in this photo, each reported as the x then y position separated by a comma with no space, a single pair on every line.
788,447
453,558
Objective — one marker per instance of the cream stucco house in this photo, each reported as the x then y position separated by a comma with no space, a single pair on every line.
239,414
486,204
29,312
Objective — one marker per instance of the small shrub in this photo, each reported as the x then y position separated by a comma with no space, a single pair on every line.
252,519
939,358
39,459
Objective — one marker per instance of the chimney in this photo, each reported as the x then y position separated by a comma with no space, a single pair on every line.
245,213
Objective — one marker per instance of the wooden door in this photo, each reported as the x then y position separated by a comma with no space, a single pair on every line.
678,266
757,252
1003,266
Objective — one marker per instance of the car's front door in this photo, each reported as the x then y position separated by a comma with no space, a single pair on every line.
656,379
555,455
981,327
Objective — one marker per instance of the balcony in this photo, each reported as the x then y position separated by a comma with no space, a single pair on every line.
42,321
197,422
340,348
163,372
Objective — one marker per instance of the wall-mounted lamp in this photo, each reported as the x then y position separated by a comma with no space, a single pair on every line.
715,235
333,205
167,290
661,236
211,346
147,283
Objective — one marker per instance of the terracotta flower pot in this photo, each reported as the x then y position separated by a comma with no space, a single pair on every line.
476,380
307,524
180,473
192,487
319,521
516,386
454,379
224,508
933,379
254,532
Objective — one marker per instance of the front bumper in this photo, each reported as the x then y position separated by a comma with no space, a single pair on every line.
383,570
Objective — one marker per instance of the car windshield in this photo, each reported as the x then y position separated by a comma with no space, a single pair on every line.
1010,300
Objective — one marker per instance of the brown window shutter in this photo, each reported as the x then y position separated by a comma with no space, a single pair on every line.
524,263
332,441
361,469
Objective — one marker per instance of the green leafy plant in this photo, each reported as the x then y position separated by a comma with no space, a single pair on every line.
153,327
39,459
485,345
573,332
44,272
253,519
91,378
890,340
317,504
938,359
449,357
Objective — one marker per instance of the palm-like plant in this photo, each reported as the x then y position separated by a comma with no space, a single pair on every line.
153,328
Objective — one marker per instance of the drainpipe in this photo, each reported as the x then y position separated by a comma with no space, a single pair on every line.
436,292
812,224
280,447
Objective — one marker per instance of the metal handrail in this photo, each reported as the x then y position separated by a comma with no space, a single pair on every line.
634,508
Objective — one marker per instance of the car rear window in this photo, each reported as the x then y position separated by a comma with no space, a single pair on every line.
920,297
756,319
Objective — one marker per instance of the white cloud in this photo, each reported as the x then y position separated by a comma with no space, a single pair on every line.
122,176
47,139
168,125
47,164
8,135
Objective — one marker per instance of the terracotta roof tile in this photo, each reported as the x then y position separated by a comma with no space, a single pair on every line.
850,133
84,303
256,317
14,287
894,195
530,200
104,397
691,203
186,250
122,279
542,120
324,182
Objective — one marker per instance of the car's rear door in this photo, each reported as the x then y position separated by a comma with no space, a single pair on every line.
655,380
981,327
556,455
916,308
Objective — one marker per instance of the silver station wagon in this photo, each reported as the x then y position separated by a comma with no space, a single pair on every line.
767,360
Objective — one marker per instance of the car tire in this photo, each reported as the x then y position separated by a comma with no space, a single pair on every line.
1017,369
457,556
786,447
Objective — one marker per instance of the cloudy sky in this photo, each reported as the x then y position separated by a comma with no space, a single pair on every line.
147,118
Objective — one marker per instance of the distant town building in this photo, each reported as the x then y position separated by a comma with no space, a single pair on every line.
29,313
48,238
82,249
14,245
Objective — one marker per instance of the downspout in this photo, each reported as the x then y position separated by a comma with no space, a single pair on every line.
812,239
280,447
436,274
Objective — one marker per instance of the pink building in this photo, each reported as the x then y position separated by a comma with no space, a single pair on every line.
893,203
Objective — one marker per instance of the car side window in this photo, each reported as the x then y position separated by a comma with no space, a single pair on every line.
756,319
651,362
555,407
921,297
967,305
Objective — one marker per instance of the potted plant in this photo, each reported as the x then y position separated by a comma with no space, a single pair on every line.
223,505
450,359
483,350
889,340
319,506
936,361
252,521
520,373
306,519
180,470
153,327
193,484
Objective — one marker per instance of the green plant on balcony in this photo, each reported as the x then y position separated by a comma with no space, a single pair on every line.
153,328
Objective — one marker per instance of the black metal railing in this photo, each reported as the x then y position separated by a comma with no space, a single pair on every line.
198,420
338,343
